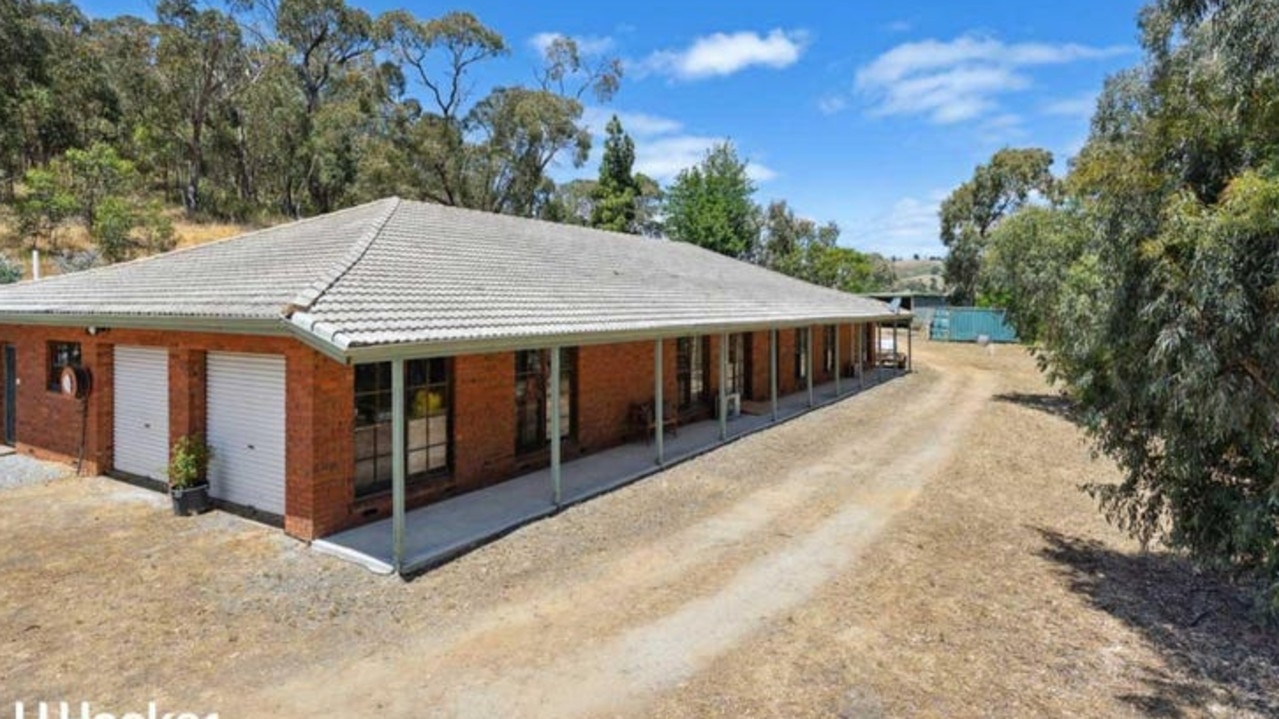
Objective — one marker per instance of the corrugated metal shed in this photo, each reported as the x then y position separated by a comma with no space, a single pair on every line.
967,324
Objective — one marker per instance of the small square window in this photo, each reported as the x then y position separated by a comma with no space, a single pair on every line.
61,355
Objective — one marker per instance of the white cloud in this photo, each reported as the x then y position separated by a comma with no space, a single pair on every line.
636,124
1078,106
663,158
899,26
723,54
832,104
662,148
1003,129
910,226
586,44
962,79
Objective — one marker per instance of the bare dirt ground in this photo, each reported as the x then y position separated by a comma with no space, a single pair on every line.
919,550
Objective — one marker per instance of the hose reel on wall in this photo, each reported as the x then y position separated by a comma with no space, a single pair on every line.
77,382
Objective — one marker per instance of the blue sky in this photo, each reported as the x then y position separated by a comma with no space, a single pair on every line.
862,113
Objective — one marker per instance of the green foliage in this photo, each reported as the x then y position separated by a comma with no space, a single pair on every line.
189,462
1155,286
975,208
289,107
801,248
710,205
617,194
10,270
94,175
1028,258
42,210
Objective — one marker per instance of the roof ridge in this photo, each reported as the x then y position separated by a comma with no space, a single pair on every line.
460,209
305,299
200,246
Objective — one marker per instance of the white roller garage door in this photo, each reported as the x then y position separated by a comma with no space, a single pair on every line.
141,409
246,429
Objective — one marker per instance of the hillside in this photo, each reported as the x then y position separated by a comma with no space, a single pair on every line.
919,275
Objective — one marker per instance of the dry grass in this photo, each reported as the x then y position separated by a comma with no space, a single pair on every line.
74,236
1003,593
921,550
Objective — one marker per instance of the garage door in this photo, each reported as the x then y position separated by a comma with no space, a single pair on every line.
246,429
141,406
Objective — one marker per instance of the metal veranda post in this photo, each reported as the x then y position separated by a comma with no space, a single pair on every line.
895,323
838,370
556,439
772,370
723,387
808,362
659,413
910,348
399,437
858,331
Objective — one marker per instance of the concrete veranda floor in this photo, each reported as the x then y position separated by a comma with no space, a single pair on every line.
438,532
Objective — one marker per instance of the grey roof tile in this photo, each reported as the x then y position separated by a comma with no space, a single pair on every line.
397,271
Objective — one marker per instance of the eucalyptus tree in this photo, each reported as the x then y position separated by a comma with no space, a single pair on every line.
199,58
711,204
617,193
1156,285
974,208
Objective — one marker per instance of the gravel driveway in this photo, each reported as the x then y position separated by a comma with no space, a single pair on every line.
881,556
18,470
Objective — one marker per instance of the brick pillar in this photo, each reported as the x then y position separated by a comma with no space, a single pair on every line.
186,393
99,456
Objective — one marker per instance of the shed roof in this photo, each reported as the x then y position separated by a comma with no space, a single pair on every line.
399,273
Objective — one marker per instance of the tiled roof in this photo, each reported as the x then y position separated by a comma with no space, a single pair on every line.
397,271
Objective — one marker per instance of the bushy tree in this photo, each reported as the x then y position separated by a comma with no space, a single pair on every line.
617,193
1029,257
975,208
1157,286
711,205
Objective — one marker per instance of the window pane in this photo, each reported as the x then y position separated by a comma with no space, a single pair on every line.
417,462
438,373
366,377
364,475
438,458
417,433
415,373
365,410
437,401
365,443
384,438
418,403
384,469
438,432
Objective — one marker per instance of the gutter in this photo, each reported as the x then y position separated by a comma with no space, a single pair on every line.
301,327
415,350
176,323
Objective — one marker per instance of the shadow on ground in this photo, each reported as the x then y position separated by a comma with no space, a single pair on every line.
1218,656
1055,404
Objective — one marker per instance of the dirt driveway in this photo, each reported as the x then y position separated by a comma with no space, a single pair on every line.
918,550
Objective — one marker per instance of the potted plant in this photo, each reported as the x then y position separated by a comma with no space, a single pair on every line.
188,475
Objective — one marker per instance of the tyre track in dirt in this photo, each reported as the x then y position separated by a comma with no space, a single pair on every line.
663,610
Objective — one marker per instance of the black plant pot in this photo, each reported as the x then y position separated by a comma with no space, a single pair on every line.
191,500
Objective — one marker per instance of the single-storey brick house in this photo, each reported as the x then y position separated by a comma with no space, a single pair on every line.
298,350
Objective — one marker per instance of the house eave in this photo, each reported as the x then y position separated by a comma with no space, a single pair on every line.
446,348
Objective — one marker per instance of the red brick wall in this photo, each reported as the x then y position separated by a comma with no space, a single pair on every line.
610,379
318,452
49,424
319,400
187,398
483,418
